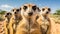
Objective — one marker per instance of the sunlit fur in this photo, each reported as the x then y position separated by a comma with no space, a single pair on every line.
43,19
7,16
46,14
52,27
16,18
24,27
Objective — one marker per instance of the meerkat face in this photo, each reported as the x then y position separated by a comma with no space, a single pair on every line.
29,10
8,15
46,10
16,11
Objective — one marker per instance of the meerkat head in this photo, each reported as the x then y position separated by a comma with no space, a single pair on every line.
28,10
16,12
46,10
8,15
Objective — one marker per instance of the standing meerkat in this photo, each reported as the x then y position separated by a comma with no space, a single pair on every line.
43,19
28,24
7,16
16,17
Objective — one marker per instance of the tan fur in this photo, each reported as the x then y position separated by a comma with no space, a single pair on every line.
45,14
16,17
24,27
52,28
6,21
43,19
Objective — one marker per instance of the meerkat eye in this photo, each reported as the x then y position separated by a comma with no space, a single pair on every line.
49,9
17,10
7,13
10,14
25,7
43,9
34,7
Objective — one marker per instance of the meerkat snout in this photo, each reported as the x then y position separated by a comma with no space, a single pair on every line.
15,13
33,8
17,10
30,13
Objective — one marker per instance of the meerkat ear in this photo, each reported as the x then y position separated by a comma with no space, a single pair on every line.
12,10
38,9
20,8
43,9
10,13
6,14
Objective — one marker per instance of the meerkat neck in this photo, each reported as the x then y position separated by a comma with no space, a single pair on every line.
16,17
7,20
31,21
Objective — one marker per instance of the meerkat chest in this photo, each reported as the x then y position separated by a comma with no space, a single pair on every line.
45,25
16,20
33,26
45,21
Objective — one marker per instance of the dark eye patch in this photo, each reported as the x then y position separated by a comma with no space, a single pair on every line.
49,9
34,8
25,7
17,10
43,9
7,13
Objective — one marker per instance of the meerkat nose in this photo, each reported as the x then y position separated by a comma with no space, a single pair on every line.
47,12
15,12
30,13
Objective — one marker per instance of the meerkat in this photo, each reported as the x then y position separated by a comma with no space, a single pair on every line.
7,16
46,14
43,19
28,24
16,17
